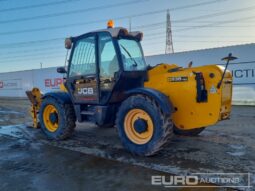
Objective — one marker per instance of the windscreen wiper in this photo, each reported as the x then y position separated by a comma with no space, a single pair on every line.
135,63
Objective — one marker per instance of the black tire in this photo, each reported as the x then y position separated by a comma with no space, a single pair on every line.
192,132
162,124
66,119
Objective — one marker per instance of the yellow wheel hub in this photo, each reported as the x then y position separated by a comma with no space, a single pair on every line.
50,118
130,123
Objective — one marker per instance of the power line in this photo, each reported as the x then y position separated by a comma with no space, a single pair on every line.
199,41
18,44
150,25
216,14
102,7
163,23
56,39
236,26
72,12
225,26
37,58
130,16
34,50
32,46
213,24
210,21
37,6
51,28
216,25
31,55
196,5
56,46
50,40
158,35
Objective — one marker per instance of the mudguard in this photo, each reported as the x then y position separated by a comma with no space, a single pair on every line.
62,97
162,100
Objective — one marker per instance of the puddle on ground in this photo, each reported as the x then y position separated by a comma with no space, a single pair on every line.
10,112
238,147
236,153
237,150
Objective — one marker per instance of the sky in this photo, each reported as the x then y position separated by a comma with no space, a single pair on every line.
32,32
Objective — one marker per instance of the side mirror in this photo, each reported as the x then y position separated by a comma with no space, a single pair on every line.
68,43
61,70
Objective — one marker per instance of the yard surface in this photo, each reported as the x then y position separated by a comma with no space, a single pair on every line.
94,159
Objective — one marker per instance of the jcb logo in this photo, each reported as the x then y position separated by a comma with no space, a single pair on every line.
85,91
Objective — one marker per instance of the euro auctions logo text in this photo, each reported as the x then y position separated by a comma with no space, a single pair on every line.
204,180
11,84
53,83
174,181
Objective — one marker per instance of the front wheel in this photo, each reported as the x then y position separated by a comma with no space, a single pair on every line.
143,128
57,120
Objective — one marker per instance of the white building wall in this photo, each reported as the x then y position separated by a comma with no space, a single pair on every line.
14,84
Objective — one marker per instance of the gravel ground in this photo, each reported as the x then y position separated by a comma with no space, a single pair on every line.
94,159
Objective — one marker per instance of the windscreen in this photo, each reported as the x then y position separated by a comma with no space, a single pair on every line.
132,55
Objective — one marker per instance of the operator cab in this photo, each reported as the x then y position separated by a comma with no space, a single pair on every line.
103,65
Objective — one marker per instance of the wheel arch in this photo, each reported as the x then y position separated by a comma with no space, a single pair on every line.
62,97
161,99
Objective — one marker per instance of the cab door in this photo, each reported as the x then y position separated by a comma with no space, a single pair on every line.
108,66
82,80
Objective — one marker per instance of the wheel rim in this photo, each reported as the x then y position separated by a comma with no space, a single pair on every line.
135,136
50,122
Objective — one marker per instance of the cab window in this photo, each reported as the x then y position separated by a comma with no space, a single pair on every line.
84,57
108,61
132,56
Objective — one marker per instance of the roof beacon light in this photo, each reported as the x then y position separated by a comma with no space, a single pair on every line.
110,24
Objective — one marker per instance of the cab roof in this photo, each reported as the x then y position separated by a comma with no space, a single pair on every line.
119,31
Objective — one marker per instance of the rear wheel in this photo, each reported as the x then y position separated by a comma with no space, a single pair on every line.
57,120
143,128
191,132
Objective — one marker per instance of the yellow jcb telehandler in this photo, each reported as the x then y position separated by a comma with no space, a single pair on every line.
108,83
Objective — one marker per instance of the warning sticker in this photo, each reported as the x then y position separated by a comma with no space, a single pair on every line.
213,90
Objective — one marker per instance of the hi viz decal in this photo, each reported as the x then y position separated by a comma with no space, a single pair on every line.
85,91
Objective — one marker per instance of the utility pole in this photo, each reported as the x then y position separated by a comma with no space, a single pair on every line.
130,23
169,40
